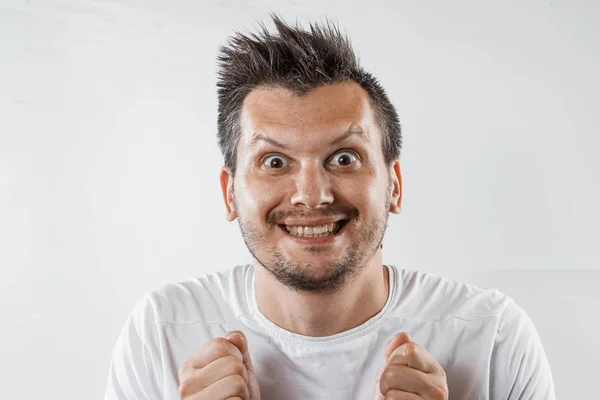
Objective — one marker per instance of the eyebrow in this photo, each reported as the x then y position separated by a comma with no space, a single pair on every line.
260,137
351,132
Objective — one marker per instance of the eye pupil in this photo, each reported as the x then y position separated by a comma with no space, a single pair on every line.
276,163
344,160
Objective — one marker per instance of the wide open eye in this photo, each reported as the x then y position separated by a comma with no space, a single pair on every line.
275,162
343,158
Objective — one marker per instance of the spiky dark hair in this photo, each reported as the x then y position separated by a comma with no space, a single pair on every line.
299,60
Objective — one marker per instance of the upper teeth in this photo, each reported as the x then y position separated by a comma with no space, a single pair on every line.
323,230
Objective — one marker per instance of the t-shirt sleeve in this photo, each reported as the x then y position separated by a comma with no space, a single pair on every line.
135,365
519,366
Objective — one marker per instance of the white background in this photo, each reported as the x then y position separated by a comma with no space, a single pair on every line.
109,164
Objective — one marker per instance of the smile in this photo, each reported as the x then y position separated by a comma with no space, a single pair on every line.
330,229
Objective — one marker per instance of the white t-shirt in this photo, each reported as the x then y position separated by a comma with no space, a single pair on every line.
484,341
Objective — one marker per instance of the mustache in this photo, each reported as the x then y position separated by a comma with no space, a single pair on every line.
348,212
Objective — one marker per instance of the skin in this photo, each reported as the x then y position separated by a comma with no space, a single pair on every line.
220,370
409,372
300,159
326,289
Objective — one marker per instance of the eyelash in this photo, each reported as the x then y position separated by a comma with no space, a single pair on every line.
355,155
346,151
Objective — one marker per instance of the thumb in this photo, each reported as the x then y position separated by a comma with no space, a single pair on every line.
398,340
238,339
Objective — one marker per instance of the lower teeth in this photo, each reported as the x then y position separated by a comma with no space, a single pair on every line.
327,233
314,236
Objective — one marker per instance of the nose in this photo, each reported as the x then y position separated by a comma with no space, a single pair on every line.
313,187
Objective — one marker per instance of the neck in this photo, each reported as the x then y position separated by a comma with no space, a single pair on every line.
324,314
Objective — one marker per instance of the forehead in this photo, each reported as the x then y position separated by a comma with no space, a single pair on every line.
313,118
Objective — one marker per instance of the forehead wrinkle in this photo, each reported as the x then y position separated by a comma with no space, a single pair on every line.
258,137
352,131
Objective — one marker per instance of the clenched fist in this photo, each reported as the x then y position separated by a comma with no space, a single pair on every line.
410,373
220,370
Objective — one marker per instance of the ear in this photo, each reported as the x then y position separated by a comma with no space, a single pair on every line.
227,190
396,196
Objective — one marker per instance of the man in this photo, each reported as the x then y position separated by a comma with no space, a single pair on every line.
311,145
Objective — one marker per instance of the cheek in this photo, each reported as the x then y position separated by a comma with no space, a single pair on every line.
362,193
259,196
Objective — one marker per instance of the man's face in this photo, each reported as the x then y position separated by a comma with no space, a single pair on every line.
312,190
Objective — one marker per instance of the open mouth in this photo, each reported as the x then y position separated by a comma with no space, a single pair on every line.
331,229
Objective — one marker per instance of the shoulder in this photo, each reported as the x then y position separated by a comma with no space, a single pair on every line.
432,297
214,298
139,353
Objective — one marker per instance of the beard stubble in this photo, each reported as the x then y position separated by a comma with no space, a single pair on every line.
299,276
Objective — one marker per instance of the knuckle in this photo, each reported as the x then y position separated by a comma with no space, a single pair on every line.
221,344
238,384
238,367
438,393
389,375
445,393
235,366
443,373
231,358
410,349
236,332
185,387
183,368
